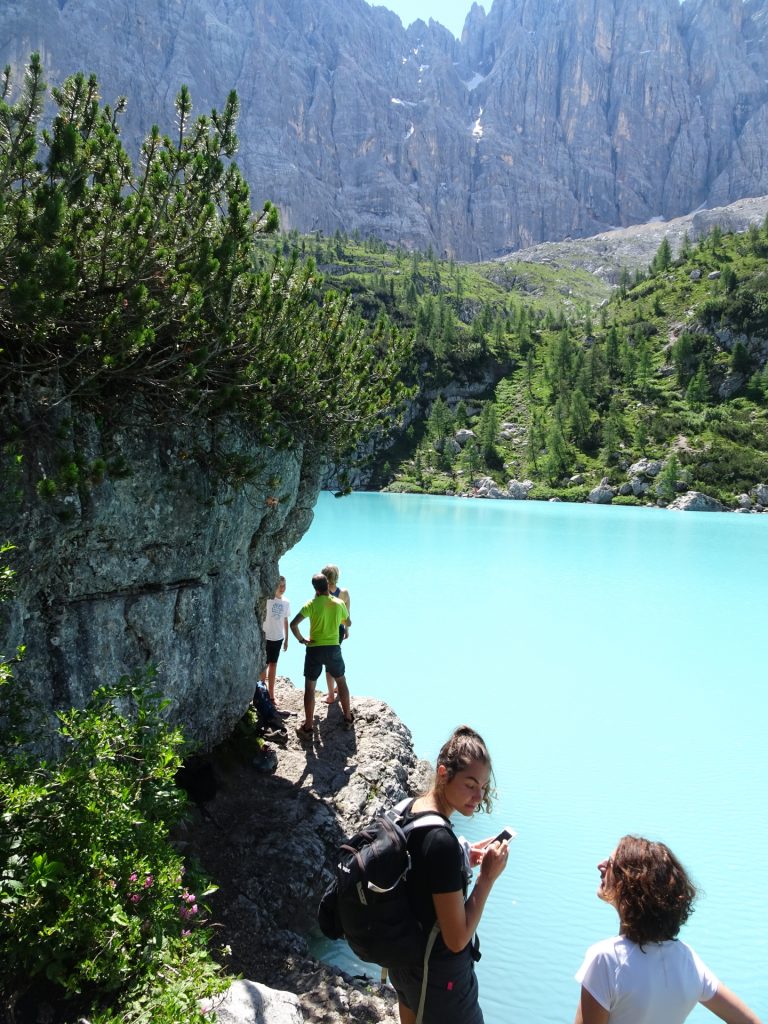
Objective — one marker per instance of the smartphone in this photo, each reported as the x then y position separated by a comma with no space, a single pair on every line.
506,833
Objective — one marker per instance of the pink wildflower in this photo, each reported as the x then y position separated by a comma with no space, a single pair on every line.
148,882
133,876
135,897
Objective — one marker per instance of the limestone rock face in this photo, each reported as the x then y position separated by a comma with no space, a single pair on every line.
166,565
550,118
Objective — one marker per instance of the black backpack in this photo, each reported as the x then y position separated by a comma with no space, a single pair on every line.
367,902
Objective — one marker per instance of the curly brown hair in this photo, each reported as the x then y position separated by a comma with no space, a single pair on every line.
650,889
459,751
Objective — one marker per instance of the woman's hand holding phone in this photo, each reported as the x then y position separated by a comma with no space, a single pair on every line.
479,849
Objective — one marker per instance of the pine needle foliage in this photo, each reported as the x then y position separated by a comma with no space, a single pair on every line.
118,280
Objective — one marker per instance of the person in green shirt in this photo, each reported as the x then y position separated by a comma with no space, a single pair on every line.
325,614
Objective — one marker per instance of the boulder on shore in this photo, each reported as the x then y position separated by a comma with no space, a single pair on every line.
603,494
485,487
518,489
696,501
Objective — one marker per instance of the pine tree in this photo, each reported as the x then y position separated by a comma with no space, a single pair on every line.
662,261
440,420
580,418
118,283
557,459
741,361
698,391
666,481
487,432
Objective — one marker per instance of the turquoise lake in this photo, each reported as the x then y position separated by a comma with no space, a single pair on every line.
614,659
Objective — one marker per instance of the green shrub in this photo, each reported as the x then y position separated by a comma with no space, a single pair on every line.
404,486
724,464
93,896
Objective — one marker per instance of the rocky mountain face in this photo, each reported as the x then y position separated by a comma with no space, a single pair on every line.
163,564
550,118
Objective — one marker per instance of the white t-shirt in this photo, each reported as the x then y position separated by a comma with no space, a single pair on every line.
278,609
658,984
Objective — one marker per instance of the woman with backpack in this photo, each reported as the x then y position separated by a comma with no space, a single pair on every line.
645,975
441,869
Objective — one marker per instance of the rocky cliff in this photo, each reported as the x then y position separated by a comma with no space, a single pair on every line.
550,118
165,561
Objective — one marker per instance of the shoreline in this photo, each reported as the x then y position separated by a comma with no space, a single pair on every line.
689,501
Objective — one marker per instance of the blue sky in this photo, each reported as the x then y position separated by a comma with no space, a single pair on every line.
450,13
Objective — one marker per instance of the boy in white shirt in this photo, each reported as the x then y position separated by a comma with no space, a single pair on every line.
275,633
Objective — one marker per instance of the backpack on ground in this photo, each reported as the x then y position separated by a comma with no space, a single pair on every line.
266,712
367,902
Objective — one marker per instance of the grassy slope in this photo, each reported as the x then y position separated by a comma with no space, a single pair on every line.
542,334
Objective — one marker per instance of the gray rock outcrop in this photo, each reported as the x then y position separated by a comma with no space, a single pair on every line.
462,436
645,467
486,487
165,564
551,118
760,493
518,489
288,824
603,494
695,501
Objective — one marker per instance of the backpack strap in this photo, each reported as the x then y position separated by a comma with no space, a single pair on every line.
426,819
434,821
423,996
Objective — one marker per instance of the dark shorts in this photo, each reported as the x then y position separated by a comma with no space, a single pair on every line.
451,989
273,651
319,657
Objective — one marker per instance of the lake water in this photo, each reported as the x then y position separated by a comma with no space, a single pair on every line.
614,659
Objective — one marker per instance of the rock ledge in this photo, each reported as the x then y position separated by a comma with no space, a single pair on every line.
267,839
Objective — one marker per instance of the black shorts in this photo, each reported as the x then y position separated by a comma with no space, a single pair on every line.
328,657
273,651
451,988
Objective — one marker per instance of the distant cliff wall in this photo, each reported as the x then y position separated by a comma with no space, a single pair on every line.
551,118
166,563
